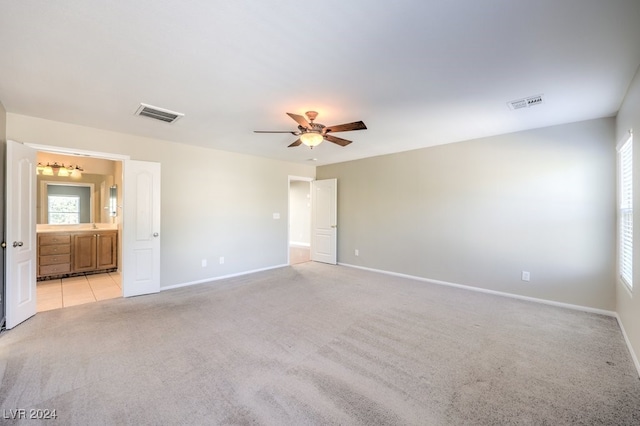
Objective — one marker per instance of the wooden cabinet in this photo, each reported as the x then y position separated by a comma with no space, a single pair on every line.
54,254
107,250
77,252
95,251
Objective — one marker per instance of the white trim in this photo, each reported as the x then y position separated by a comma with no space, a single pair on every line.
222,277
628,342
494,292
77,152
624,139
613,314
301,178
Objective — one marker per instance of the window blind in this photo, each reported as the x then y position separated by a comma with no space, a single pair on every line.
626,212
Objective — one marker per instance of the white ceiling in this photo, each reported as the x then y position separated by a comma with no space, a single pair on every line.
418,73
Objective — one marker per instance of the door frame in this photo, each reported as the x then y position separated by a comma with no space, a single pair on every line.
86,153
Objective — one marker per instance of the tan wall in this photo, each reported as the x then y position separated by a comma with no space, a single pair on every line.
628,303
214,203
480,212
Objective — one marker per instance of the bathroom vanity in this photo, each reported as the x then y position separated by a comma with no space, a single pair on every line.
67,251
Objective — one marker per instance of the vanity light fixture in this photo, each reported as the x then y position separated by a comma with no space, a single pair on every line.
56,169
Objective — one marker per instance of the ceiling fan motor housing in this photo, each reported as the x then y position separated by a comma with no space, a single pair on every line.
313,128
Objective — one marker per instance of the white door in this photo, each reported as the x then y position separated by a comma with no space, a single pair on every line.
20,278
324,225
141,228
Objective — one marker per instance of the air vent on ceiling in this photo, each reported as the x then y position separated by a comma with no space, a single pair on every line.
525,102
158,113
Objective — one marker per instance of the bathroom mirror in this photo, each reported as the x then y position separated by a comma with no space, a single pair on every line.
90,199
66,203
113,201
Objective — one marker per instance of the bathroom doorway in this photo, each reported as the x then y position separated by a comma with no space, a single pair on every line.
299,220
103,177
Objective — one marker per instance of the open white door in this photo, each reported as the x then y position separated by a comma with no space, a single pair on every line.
141,228
324,225
20,275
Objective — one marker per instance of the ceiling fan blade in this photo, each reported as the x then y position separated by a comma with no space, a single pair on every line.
296,143
300,120
356,125
276,131
336,140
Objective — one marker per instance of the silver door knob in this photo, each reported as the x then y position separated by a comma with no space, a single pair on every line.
17,244
155,234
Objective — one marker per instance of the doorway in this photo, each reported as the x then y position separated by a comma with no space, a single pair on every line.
100,177
299,220
140,248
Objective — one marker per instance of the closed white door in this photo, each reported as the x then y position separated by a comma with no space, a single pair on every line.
141,228
20,278
324,226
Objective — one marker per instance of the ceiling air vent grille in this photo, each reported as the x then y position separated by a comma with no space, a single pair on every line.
158,113
526,102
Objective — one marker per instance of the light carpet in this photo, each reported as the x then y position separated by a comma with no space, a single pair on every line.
319,344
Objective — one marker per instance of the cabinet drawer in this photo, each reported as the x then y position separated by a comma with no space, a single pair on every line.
55,259
55,249
55,239
62,268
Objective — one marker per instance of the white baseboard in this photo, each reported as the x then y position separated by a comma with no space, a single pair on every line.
634,358
494,292
222,277
628,342
445,283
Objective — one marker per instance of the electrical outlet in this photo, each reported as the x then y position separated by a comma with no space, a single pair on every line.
204,263
357,252
221,260
526,276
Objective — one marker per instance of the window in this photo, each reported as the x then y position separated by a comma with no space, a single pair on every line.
64,209
625,212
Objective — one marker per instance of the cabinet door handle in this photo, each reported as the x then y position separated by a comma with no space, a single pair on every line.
17,243
155,234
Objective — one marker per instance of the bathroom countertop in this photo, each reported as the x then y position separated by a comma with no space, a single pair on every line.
75,228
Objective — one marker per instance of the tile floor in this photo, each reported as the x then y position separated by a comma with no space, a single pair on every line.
299,254
61,293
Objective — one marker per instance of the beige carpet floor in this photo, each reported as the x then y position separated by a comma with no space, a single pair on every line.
319,344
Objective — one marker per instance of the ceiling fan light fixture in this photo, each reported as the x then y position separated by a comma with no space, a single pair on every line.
311,139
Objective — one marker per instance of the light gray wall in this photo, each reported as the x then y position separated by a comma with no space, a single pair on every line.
628,303
479,212
300,212
214,203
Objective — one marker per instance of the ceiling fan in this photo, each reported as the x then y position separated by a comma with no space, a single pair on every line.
312,134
